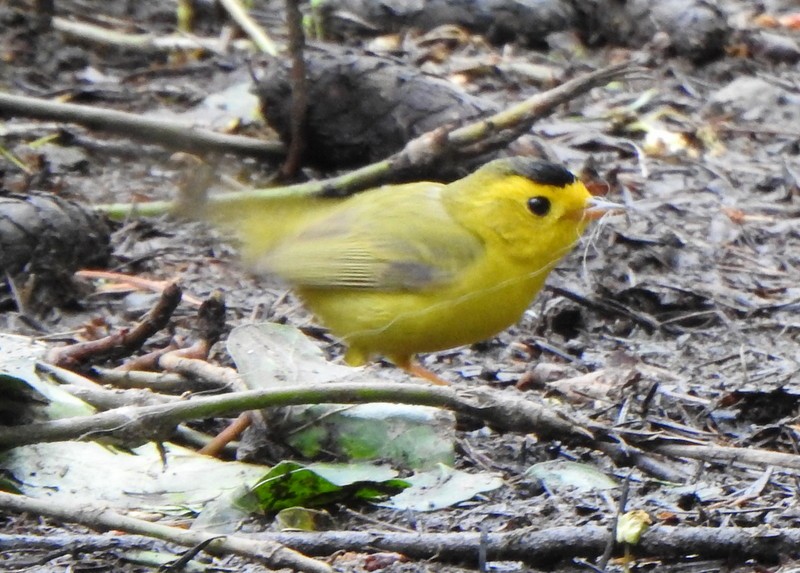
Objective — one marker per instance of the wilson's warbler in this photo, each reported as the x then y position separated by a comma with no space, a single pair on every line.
420,267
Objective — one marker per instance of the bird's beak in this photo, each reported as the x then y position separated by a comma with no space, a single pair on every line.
597,207
594,209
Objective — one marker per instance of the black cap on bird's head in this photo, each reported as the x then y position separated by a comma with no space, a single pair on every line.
537,170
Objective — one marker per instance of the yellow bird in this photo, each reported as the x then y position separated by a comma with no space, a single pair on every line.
420,267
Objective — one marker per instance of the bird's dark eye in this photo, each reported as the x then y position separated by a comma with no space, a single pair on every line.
539,205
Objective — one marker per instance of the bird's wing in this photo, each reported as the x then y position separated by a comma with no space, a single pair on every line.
399,238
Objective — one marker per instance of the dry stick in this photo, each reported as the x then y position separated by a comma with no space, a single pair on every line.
123,342
546,547
157,422
149,360
628,455
294,157
136,282
98,396
104,399
209,373
426,149
250,27
602,563
162,382
77,542
533,547
419,150
146,43
509,412
170,134
207,376
272,553
727,455
217,444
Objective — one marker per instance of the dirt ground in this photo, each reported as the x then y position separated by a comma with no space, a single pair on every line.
688,304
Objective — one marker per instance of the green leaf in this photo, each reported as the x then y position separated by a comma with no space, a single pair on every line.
290,484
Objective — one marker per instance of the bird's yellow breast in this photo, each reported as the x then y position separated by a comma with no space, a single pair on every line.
486,298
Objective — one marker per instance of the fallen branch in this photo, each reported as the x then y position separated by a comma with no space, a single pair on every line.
163,382
123,342
435,146
548,546
425,150
145,43
157,422
505,411
173,135
535,548
272,553
727,455
75,543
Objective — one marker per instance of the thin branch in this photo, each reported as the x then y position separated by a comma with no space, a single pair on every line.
147,43
426,149
260,38
297,146
170,134
124,342
77,542
158,422
545,547
505,411
164,382
271,553
522,114
727,455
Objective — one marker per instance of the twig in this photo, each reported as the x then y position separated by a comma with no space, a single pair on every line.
157,422
524,113
250,27
104,399
726,454
149,360
148,43
218,443
602,563
76,542
610,306
164,382
545,547
417,151
627,455
272,553
170,134
121,343
542,547
209,376
504,411
297,146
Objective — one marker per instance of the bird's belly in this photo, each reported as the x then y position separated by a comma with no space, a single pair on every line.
401,324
